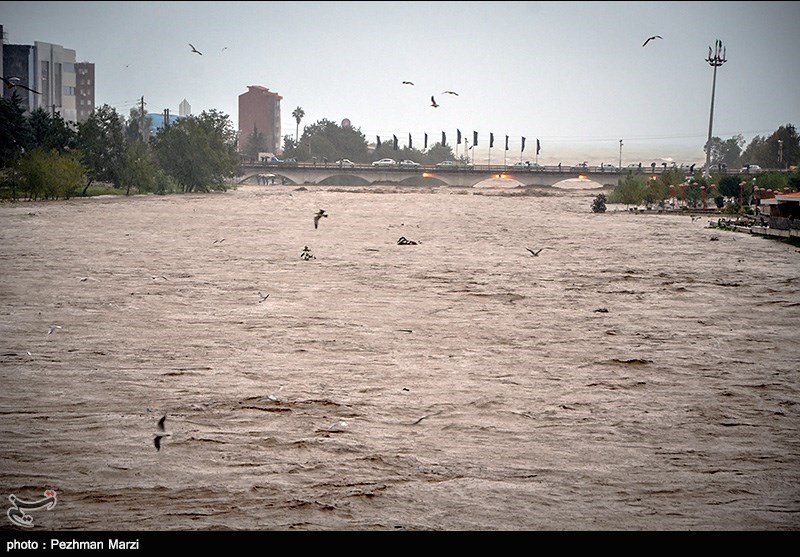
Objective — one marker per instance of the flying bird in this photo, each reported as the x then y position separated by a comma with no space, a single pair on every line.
195,50
408,83
263,297
53,328
651,38
433,102
161,433
318,216
12,82
450,93
535,253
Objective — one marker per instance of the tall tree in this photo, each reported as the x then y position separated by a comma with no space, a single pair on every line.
101,141
297,114
256,143
51,131
199,152
15,132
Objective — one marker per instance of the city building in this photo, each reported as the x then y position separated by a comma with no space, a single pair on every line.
84,90
184,109
48,69
157,120
260,109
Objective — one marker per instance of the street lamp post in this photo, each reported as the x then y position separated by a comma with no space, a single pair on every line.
715,60
620,154
780,154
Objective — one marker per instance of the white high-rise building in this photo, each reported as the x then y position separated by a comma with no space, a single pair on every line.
54,75
184,109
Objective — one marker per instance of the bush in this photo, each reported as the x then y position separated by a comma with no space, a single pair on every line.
599,204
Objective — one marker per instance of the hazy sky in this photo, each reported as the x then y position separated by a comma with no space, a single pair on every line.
572,74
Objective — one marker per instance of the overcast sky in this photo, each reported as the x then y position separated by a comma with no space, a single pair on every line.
572,74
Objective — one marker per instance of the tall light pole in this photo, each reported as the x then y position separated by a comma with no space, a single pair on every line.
715,60
620,154
780,154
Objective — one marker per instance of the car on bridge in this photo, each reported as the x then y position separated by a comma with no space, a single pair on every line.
607,167
582,166
385,162
345,163
521,165
407,163
453,165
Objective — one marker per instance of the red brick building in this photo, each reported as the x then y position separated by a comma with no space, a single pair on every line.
260,108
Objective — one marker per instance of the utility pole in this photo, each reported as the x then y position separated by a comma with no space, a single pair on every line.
620,154
715,60
141,121
780,154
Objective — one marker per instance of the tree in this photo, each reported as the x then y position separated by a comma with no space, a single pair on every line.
49,174
599,204
133,127
297,114
630,191
726,152
15,132
767,152
51,131
256,143
101,142
326,139
198,152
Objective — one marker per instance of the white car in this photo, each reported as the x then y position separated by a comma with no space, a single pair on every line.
521,165
385,162
607,167
581,166
345,163
407,163
751,169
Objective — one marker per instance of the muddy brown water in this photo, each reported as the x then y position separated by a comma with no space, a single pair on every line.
640,373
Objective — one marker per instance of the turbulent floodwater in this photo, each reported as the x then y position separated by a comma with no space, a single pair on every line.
640,373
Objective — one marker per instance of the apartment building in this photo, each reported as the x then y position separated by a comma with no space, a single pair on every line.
260,108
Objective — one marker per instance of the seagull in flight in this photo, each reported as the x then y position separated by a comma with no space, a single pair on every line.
450,93
318,216
161,433
53,328
535,253
652,38
408,83
12,82
433,102
195,50
263,297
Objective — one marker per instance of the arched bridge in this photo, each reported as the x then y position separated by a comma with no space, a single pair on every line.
461,176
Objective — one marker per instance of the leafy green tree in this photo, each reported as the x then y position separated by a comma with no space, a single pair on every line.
726,152
328,140
256,143
199,152
767,151
630,191
50,174
51,131
15,132
142,172
133,126
101,142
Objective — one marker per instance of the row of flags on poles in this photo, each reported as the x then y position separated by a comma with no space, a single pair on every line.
458,141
